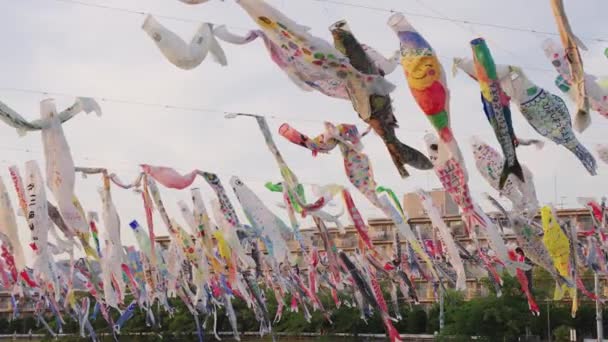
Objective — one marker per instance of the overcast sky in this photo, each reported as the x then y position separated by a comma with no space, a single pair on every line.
63,47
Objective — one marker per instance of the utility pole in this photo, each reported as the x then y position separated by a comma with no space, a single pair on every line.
598,309
548,321
441,308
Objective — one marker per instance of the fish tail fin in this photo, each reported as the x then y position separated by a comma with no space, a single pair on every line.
511,169
403,154
392,332
586,158
533,307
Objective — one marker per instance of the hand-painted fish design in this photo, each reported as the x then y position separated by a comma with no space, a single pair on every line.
545,112
310,62
381,117
261,217
496,106
454,178
426,80
490,163
368,293
356,163
530,240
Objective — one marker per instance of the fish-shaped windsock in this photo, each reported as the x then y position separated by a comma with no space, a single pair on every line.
310,62
230,235
181,54
525,284
111,221
319,144
446,238
597,91
14,119
60,173
453,176
602,152
496,106
595,88
272,227
38,220
169,177
290,181
490,163
558,245
406,231
381,117
530,240
225,203
8,227
426,80
570,45
356,163
365,289
545,112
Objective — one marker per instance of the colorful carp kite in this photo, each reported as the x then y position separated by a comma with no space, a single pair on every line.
178,52
545,112
576,73
356,163
496,106
530,240
272,229
525,283
381,118
558,245
310,62
454,178
490,163
426,80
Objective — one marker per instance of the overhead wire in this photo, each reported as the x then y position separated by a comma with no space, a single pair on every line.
450,19
341,3
439,16
211,110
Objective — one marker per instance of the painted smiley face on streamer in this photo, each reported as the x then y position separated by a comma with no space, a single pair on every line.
421,72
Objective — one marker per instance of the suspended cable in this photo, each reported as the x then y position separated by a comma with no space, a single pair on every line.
224,113
188,20
445,18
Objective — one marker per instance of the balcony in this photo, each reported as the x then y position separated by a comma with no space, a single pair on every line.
382,235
